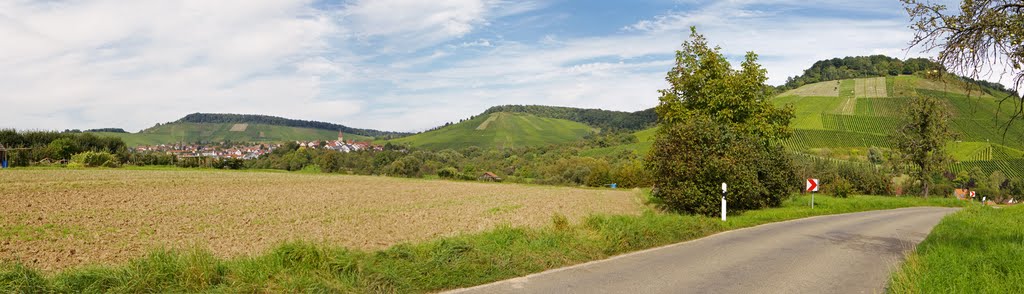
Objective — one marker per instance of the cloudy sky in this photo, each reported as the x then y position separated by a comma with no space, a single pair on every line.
403,65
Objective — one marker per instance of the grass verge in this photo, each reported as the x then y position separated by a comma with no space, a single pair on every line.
976,250
446,263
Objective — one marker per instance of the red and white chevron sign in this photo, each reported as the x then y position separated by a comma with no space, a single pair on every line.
812,185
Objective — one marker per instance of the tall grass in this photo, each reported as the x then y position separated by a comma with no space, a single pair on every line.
447,263
977,250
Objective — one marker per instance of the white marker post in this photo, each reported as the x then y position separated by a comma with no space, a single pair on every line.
724,189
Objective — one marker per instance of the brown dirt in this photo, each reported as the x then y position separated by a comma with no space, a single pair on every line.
57,219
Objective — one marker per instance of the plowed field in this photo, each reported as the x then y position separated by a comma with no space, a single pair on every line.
56,219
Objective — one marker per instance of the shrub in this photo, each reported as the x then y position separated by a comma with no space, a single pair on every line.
987,193
691,159
944,190
448,173
841,188
94,159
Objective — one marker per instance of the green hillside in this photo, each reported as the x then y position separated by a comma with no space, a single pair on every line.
500,130
844,119
645,138
218,132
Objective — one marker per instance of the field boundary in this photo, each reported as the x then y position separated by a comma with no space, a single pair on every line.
490,119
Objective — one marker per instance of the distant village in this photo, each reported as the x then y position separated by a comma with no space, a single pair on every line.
253,150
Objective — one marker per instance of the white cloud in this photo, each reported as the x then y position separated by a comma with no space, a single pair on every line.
389,64
131,64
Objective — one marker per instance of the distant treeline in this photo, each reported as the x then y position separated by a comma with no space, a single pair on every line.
280,121
858,67
604,119
106,130
34,146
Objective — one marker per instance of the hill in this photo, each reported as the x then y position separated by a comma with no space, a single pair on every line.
858,67
221,118
220,132
844,119
598,118
500,130
220,127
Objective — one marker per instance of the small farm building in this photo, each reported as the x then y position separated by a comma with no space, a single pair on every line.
489,176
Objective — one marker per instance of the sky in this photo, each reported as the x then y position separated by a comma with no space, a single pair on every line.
397,65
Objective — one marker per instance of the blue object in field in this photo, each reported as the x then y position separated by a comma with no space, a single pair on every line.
4,165
614,185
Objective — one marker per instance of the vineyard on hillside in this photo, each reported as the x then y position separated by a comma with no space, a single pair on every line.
880,106
1012,168
806,139
862,124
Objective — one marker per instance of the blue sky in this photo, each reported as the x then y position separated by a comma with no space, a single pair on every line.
398,65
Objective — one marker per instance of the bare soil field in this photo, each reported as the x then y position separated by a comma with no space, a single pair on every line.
57,219
822,89
870,88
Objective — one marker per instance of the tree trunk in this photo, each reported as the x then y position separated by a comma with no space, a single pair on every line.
925,184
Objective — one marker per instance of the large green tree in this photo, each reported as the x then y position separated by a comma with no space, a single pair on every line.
715,124
922,138
985,37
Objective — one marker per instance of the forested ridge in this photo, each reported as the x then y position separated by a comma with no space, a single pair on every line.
858,67
280,121
600,118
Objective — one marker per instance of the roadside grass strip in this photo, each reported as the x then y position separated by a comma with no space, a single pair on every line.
446,263
976,250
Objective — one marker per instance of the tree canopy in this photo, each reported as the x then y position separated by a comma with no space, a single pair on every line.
922,139
715,124
858,67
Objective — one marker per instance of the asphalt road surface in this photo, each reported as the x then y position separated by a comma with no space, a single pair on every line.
848,253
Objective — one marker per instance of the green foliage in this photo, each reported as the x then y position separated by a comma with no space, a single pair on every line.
63,148
408,166
716,125
448,173
106,130
857,67
875,156
56,146
841,188
691,158
922,139
598,118
586,171
93,159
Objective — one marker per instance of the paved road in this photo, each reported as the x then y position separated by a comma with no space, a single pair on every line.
849,253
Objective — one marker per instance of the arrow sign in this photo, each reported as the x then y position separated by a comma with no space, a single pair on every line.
812,185
972,194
